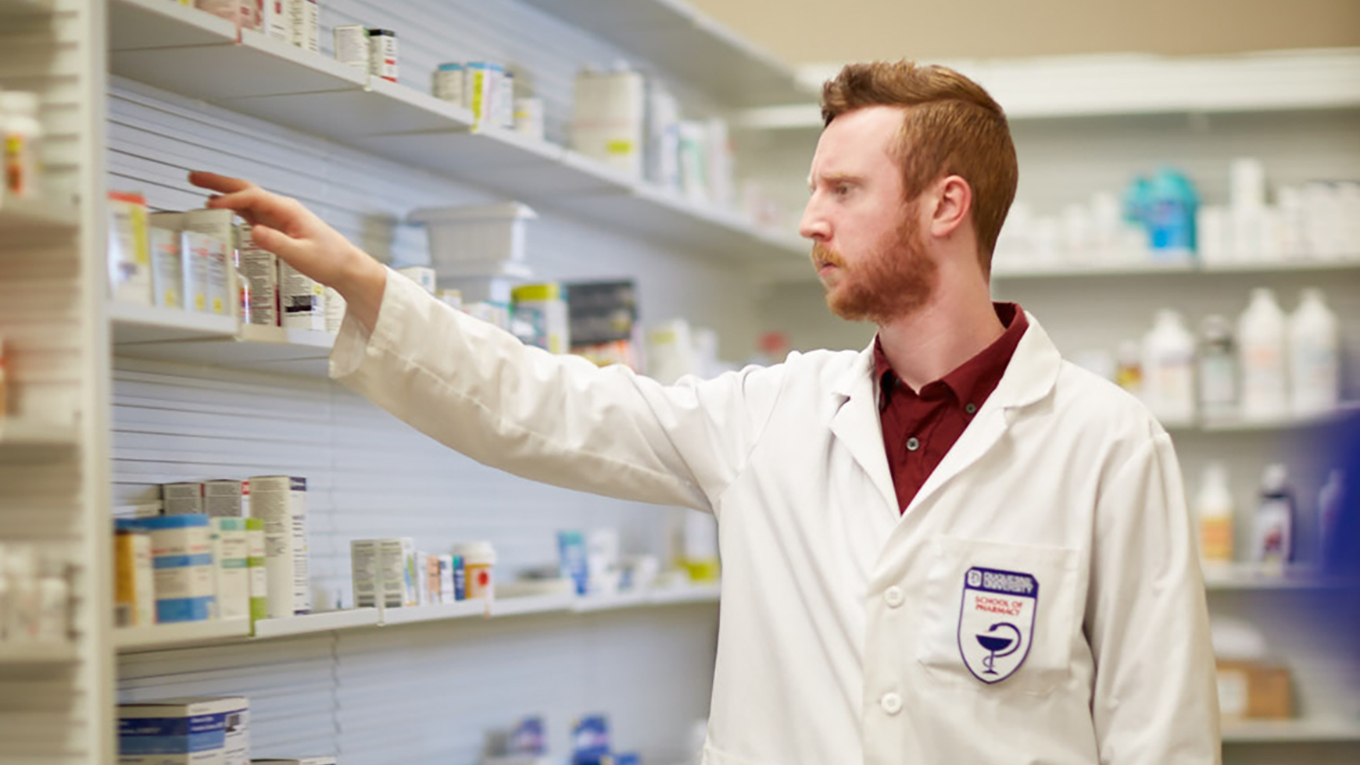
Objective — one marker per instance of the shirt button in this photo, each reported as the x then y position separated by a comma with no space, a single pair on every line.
970,409
891,703
893,597
913,444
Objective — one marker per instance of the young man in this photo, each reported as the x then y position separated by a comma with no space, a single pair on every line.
950,547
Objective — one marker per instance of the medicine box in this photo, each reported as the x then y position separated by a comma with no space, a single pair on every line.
182,498
324,760
129,249
384,572
1253,689
231,558
281,503
181,556
185,731
222,499
134,591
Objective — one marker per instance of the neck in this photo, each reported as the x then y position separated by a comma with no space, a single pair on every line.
956,324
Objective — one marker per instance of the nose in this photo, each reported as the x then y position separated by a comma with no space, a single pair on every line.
814,224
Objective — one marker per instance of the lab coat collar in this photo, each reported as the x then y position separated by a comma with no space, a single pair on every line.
1029,378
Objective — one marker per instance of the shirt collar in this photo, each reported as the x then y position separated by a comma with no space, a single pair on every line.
975,379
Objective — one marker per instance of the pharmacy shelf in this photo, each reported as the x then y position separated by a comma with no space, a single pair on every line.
685,42
25,220
191,50
168,636
1095,86
325,621
679,595
270,349
36,654
1264,425
1291,731
17,9
593,603
133,323
28,433
460,610
1252,576
533,604
162,636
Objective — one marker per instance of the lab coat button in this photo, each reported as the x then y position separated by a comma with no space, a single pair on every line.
893,597
913,444
891,703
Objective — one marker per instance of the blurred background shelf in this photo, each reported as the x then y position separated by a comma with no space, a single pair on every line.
29,432
1291,731
683,41
14,655
133,323
324,621
158,637
20,218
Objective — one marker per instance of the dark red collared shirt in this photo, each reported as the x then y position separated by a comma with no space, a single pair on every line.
920,428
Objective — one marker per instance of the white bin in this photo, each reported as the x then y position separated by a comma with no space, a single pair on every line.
481,233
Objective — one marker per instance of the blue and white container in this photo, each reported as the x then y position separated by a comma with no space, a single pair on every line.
182,560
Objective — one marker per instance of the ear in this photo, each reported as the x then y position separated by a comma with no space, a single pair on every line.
953,199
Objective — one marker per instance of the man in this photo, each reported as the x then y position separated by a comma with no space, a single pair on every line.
951,547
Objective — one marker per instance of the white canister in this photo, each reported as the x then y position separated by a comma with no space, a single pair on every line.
479,558
448,83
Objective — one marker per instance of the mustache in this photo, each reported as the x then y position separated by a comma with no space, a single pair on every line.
825,256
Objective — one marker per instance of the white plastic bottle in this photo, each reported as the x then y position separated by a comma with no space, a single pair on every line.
1214,509
1261,338
1218,397
1169,369
1274,543
1314,356
21,132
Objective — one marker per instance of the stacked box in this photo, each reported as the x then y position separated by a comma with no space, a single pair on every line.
185,731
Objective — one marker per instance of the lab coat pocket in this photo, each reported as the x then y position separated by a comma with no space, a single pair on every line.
1000,617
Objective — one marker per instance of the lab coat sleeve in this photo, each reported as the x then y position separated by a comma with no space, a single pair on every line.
1155,697
552,418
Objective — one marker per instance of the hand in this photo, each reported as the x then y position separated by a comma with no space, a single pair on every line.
281,225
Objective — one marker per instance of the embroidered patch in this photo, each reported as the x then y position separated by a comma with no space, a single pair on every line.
996,621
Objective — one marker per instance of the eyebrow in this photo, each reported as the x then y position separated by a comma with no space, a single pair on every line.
835,178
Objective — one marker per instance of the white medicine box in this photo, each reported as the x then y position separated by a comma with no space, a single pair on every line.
480,233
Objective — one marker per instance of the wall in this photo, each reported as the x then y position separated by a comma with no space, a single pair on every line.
808,31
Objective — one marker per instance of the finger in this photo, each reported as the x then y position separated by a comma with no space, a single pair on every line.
215,182
258,206
277,242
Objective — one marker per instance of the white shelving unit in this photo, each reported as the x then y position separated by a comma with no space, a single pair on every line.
1083,87
21,218
167,636
29,433
688,44
157,637
25,655
1299,731
185,51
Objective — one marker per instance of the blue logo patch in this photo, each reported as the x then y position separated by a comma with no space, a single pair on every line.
996,621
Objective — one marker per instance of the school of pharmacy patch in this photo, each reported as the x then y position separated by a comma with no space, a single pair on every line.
996,622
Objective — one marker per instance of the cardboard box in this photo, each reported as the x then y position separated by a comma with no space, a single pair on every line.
281,502
1258,690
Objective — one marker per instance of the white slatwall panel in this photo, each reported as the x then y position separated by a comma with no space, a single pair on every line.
55,715
428,692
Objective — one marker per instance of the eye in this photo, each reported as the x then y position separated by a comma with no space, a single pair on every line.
841,189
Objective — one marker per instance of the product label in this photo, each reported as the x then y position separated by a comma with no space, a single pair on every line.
1215,539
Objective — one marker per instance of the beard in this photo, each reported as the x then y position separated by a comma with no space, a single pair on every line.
893,280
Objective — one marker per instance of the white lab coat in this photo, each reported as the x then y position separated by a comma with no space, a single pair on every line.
840,638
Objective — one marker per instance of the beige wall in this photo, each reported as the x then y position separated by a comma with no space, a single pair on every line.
817,31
